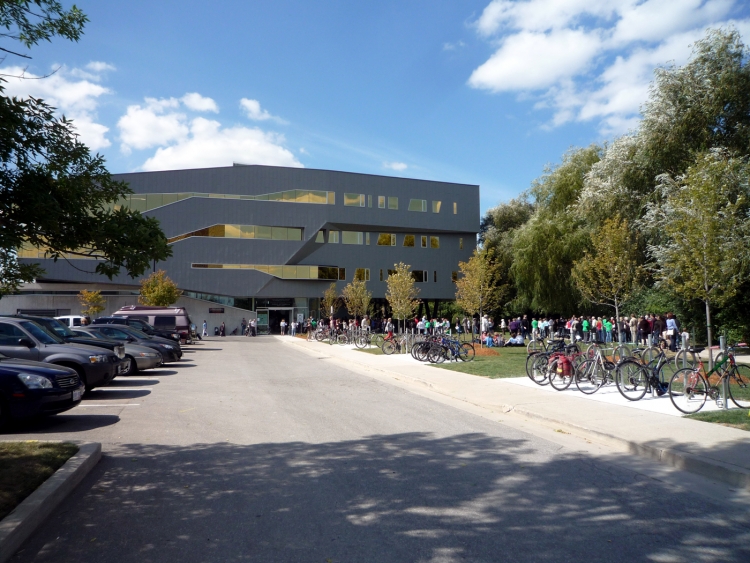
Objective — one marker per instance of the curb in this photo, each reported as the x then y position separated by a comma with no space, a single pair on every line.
692,463
23,521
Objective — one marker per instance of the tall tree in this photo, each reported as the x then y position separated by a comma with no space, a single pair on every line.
356,297
476,287
92,302
704,229
330,301
402,291
54,195
609,273
157,290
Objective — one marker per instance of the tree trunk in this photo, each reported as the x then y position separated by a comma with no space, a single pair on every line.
709,335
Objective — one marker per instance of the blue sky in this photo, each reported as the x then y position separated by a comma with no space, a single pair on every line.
481,92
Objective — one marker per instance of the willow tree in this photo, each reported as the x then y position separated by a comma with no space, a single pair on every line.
609,273
703,251
356,297
402,291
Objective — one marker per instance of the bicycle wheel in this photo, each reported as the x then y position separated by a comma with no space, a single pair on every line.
361,341
529,363
539,369
320,336
557,379
591,350
620,353
649,354
388,347
535,346
685,359
466,352
688,390
589,377
377,340
631,379
342,339
739,386
436,354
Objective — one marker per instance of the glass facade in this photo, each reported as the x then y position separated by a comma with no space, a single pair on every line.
418,205
245,232
351,237
354,200
294,272
146,202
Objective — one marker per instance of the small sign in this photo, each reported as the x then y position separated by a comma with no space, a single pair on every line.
300,318
216,309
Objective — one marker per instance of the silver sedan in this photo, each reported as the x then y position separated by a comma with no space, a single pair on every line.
137,357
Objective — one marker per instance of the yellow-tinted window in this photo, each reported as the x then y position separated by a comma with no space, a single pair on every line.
216,231
460,244
313,272
333,237
381,275
262,232
369,201
351,237
320,237
381,202
367,238
454,277
276,271
247,231
289,272
417,205
138,202
455,208
342,274
154,200
408,240
232,231
436,206
354,200
331,198
420,276
392,202
386,239
362,274
278,233
168,198
317,197
424,242
293,234
434,242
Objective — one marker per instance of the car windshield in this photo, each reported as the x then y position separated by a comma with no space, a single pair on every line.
56,327
41,334
135,333
82,334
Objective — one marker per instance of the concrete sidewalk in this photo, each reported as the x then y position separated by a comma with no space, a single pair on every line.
712,450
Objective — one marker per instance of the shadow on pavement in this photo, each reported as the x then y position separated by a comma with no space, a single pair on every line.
132,381
403,497
114,394
61,423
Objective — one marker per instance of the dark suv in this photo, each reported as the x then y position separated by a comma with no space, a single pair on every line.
26,340
138,324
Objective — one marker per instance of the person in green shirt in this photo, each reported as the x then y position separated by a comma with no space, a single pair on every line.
534,328
607,329
585,327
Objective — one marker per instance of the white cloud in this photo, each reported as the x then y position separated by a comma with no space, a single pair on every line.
453,46
99,66
71,91
253,110
591,60
209,145
147,126
196,102
397,166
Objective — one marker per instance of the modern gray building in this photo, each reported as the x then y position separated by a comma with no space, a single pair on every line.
271,239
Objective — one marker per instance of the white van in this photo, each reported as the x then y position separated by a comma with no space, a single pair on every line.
71,320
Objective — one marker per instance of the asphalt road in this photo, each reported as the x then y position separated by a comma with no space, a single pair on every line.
253,450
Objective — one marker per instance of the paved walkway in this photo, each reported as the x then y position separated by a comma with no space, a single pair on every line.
650,429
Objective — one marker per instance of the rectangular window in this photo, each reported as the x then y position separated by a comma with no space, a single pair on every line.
386,239
367,238
434,242
455,208
369,201
351,237
409,240
333,237
420,276
342,274
262,232
417,205
320,237
381,202
232,231
436,206
434,276
381,275
331,198
392,202
293,234
247,231
460,244
362,274
278,233
424,242
354,200
454,277
391,272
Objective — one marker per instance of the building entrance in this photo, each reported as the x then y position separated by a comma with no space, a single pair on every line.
275,316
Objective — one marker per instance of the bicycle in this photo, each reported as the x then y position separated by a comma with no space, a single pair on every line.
594,373
635,378
690,387
562,366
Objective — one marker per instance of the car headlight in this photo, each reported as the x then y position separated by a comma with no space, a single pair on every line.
99,359
148,354
32,381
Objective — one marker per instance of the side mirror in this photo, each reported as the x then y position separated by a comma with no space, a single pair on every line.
131,339
26,342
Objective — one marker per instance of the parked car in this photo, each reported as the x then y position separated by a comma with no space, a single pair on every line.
169,349
137,324
161,318
56,327
26,340
71,320
29,389
138,358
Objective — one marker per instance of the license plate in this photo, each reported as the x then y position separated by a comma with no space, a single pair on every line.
77,394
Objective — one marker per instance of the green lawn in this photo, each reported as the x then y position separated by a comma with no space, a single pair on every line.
510,362
26,465
738,418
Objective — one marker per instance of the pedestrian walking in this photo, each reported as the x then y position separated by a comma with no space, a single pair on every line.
205,328
283,327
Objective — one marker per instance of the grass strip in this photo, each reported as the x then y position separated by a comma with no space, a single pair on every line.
26,465
509,362
736,418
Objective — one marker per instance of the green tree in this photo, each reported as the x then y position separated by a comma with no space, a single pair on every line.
55,196
92,302
609,273
331,300
158,290
356,297
702,250
476,287
402,291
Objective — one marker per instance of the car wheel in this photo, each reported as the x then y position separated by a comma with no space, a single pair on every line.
133,368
